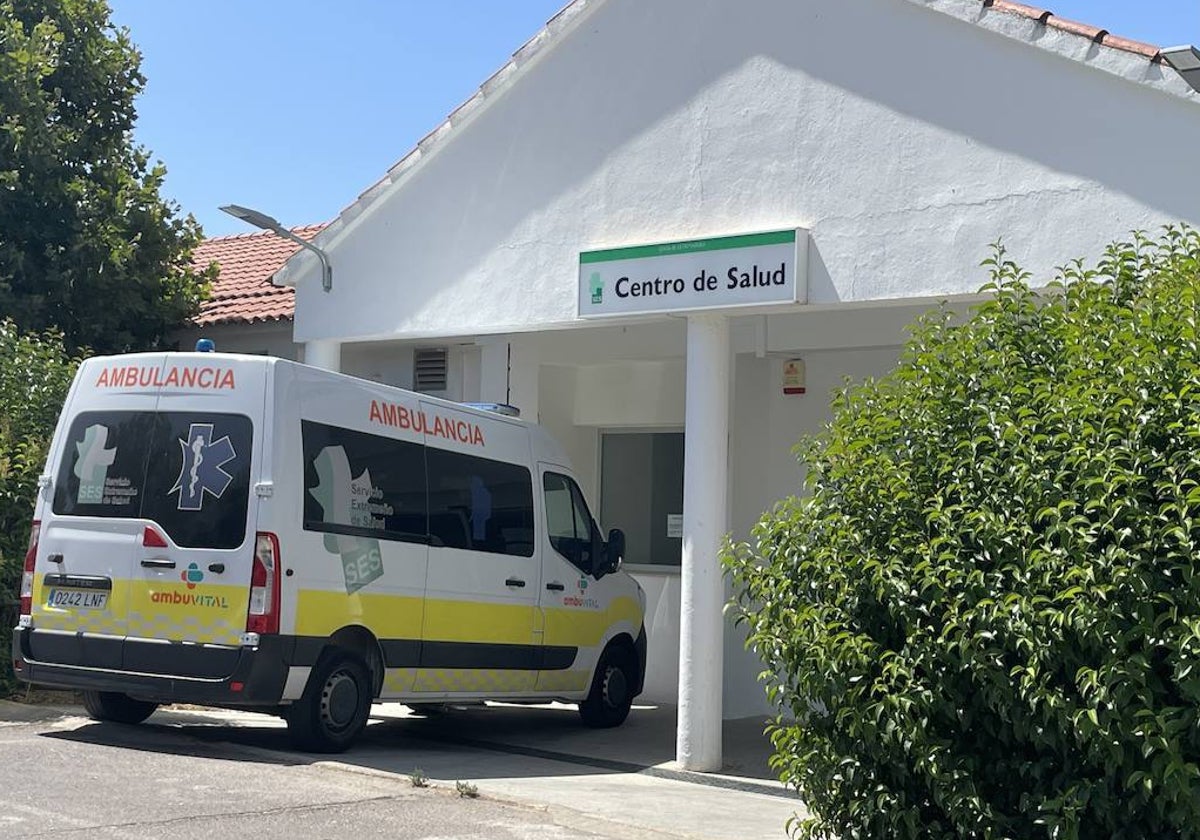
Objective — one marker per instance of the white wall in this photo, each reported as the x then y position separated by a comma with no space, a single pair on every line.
631,394
272,338
871,122
764,426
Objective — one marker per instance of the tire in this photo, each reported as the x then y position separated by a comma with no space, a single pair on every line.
117,708
334,708
608,703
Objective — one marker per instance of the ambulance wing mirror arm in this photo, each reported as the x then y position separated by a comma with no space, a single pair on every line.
614,550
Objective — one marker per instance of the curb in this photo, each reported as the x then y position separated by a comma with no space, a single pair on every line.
14,712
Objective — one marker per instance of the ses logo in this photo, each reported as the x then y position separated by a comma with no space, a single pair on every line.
202,470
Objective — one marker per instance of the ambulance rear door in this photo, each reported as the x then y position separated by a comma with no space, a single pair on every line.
192,571
92,528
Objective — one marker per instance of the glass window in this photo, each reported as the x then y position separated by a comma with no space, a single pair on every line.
569,525
641,492
479,504
188,472
103,470
560,510
363,485
201,497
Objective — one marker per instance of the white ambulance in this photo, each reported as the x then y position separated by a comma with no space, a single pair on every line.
249,532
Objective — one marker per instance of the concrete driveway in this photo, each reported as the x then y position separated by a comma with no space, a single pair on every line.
618,783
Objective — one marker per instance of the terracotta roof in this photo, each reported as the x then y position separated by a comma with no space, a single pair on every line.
1092,33
243,292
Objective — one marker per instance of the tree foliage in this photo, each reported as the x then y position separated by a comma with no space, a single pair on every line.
35,374
983,620
87,245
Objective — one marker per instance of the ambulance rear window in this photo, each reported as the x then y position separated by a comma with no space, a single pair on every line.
188,472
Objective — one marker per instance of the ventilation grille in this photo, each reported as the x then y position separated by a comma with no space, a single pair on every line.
429,369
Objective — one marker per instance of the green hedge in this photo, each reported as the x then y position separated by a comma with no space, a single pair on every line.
35,374
983,618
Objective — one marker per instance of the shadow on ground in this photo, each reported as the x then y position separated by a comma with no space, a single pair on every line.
477,742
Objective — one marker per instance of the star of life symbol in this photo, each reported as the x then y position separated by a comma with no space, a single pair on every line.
202,471
92,467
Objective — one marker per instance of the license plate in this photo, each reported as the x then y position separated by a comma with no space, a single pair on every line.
77,599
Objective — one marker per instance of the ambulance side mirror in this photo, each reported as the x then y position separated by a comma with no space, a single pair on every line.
614,550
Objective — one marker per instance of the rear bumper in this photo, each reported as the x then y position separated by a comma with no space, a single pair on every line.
257,677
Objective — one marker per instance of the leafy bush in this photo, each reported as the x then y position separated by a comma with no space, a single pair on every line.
984,618
35,373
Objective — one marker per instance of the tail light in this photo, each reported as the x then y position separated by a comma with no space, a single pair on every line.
152,539
27,575
263,615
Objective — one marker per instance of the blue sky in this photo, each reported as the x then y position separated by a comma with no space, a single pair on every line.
294,107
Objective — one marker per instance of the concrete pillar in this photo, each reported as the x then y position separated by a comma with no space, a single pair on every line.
705,518
494,370
324,354
524,374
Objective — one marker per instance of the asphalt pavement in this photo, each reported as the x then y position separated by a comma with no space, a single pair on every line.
203,773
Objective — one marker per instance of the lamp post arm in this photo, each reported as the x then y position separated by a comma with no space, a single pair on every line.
265,222
326,268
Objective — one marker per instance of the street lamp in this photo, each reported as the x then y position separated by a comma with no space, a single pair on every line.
262,220
1185,61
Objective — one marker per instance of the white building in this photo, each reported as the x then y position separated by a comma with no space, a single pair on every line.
899,136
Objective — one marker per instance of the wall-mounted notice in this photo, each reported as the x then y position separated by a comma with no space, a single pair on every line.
675,525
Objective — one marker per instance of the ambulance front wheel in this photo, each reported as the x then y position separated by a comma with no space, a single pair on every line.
116,707
611,697
336,703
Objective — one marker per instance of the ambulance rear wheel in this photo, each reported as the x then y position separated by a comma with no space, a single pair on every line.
611,697
334,708
116,707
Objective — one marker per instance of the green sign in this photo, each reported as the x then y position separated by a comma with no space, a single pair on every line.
757,269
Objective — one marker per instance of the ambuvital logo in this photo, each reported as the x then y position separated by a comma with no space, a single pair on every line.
191,599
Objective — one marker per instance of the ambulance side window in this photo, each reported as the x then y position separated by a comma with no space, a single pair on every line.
479,504
358,484
568,523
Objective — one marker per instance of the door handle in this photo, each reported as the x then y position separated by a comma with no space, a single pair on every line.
517,582
555,587
54,558
217,568
158,563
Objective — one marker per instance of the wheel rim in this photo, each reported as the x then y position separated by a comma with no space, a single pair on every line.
616,687
339,701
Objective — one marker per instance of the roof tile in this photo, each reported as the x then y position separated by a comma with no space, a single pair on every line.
1040,15
1092,33
243,292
